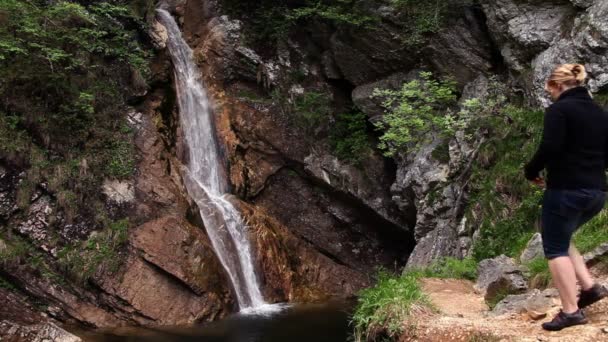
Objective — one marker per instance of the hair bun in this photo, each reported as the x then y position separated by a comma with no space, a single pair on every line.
579,72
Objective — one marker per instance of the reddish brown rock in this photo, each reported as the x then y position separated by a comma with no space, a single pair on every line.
182,250
293,270
159,297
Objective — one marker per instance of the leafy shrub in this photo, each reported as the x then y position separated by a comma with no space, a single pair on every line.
414,112
349,137
312,110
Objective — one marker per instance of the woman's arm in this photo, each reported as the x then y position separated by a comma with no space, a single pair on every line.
551,145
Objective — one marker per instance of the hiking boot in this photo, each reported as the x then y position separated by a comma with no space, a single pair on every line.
564,320
594,294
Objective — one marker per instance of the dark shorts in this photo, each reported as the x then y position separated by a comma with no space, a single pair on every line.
564,211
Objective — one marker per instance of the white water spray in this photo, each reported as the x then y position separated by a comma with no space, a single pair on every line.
204,177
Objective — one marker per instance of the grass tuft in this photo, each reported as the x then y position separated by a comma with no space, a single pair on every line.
592,234
452,268
384,308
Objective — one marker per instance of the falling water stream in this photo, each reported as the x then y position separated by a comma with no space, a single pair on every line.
204,176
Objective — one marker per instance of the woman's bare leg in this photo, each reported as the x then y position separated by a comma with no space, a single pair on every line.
564,277
580,268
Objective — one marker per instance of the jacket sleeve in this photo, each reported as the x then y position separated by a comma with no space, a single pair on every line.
551,145
606,152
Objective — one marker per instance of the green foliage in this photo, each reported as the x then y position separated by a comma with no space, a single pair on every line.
423,18
100,252
539,272
14,251
273,20
341,12
20,251
66,72
386,306
451,268
503,204
5,284
121,161
56,60
415,111
312,110
348,137
592,234
602,97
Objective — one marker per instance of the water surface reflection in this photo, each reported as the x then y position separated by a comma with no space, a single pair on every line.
303,323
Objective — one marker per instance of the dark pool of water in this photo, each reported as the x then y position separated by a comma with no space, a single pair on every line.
303,323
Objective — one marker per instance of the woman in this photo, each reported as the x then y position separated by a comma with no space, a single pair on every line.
574,150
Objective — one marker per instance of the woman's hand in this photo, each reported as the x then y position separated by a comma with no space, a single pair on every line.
539,181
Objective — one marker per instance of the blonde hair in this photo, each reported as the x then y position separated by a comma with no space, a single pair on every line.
569,75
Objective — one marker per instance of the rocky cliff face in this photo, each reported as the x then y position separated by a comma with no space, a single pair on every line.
321,225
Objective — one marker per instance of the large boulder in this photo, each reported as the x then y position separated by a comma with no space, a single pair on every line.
595,256
535,303
533,250
500,276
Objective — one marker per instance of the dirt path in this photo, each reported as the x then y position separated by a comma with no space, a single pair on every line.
464,317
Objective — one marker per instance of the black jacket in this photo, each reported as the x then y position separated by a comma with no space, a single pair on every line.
574,147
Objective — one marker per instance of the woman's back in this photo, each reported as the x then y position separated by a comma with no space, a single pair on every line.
582,159
574,149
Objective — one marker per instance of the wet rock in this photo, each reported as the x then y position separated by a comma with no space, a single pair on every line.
153,294
500,276
183,251
533,250
350,234
223,54
158,34
45,332
292,269
535,303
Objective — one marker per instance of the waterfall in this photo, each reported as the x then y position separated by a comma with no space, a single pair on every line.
204,176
